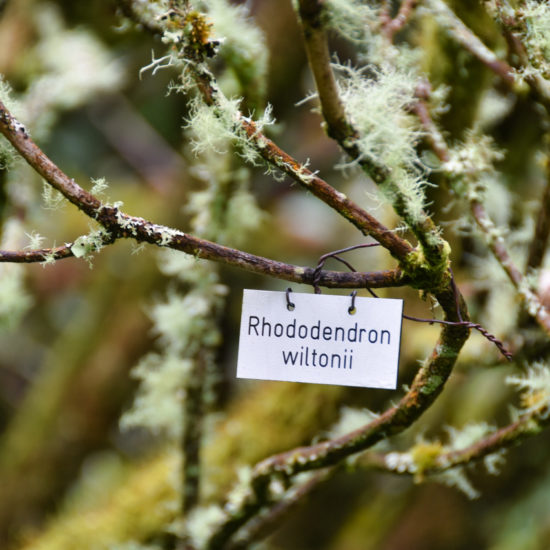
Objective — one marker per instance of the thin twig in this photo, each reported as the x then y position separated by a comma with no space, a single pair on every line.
211,94
267,522
493,238
470,42
334,254
392,26
399,248
461,322
38,255
432,133
526,426
498,248
368,225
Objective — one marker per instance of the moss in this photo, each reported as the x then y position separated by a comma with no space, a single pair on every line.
425,275
432,384
446,352
148,487
424,455
256,426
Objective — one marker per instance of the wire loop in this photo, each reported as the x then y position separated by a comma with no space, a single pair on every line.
289,305
316,279
352,309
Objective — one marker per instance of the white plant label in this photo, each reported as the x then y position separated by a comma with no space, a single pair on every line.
319,341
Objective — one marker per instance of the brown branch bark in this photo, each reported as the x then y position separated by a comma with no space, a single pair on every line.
495,242
264,525
319,60
392,26
470,42
38,255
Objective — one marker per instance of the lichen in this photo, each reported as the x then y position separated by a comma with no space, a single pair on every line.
535,388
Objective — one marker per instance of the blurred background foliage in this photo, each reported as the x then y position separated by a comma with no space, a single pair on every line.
69,478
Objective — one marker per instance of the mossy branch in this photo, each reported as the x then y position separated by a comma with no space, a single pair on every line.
435,250
526,426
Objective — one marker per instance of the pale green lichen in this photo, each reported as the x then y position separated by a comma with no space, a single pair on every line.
240,491
468,435
155,408
224,210
53,199
457,478
471,164
74,68
99,186
212,128
202,523
376,101
537,38
86,245
535,388
494,461
217,128
183,322
242,46
426,456
35,240
352,19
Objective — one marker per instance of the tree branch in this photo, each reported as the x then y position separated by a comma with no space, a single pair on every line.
470,42
498,248
121,225
494,240
392,26
38,255
526,426
261,527
399,248
342,130
318,56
